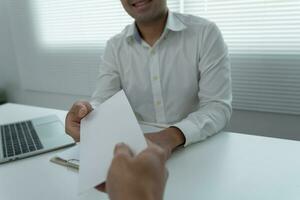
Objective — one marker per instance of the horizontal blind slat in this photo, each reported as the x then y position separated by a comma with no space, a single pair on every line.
264,43
263,39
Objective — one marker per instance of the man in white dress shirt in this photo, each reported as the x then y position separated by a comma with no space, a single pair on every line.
174,69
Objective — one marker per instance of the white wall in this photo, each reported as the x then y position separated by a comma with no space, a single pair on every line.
8,66
267,124
10,77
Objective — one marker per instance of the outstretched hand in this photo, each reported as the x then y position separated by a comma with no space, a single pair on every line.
136,177
78,111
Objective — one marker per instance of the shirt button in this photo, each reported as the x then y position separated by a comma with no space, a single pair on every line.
158,103
155,78
152,52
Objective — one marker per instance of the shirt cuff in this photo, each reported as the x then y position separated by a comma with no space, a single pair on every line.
189,130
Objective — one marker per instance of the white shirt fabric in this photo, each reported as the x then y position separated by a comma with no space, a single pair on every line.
183,80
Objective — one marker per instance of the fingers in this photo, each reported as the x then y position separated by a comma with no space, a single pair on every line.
157,141
162,153
72,127
149,142
85,109
152,150
80,109
156,152
122,149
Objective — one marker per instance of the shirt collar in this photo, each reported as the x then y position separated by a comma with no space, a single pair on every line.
133,33
173,24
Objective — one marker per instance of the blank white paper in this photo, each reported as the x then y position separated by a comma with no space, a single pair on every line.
110,123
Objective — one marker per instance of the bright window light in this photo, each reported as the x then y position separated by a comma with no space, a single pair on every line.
254,26
78,23
64,23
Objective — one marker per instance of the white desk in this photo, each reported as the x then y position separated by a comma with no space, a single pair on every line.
228,166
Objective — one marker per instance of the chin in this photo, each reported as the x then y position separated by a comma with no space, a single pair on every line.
148,16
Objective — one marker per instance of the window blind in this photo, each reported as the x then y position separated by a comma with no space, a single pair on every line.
264,45
59,43
65,39
64,23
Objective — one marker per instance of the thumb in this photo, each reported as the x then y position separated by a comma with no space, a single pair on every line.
84,109
122,148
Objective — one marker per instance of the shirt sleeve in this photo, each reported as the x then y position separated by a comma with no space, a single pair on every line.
108,80
215,93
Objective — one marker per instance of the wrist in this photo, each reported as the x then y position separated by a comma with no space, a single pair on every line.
144,197
175,137
144,194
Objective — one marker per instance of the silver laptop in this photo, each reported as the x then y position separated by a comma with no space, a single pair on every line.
27,138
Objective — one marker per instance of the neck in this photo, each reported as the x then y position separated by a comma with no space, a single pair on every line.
151,31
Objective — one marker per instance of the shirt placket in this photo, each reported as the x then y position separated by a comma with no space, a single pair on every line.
156,86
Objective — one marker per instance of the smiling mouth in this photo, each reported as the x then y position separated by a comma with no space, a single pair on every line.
140,3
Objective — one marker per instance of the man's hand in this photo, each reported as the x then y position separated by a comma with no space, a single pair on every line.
168,139
136,177
78,111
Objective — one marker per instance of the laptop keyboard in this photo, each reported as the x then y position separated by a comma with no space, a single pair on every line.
19,138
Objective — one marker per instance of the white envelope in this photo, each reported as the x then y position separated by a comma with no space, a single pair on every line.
110,123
